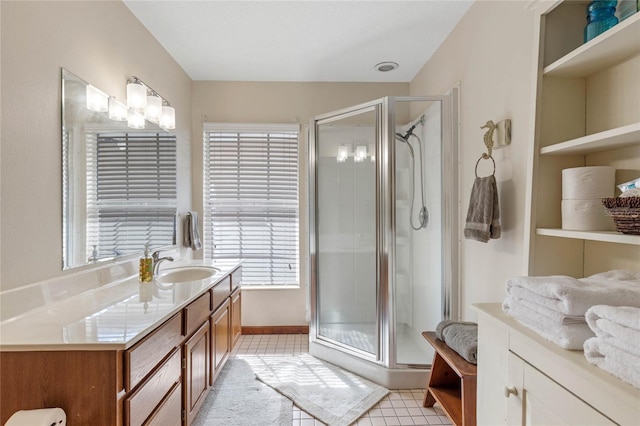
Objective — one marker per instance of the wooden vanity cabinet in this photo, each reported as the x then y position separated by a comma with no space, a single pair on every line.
148,397
145,355
220,338
236,316
196,371
161,380
170,411
152,369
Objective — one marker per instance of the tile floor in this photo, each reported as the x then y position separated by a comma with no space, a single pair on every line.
400,407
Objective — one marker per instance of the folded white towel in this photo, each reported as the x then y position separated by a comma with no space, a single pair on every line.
567,336
613,360
572,296
621,323
553,315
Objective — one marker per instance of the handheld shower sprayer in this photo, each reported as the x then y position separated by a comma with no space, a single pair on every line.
423,214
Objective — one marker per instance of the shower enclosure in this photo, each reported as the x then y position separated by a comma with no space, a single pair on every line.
383,241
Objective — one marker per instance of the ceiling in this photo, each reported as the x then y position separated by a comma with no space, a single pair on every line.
300,40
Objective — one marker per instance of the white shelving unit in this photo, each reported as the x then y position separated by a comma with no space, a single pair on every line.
587,113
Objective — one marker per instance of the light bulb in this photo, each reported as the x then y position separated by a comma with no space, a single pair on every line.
343,153
97,100
135,120
117,110
136,96
168,119
153,111
361,153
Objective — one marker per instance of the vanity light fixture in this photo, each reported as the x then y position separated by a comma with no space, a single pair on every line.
343,153
168,118
136,95
97,100
361,153
155,108
153,111
135,120
117,110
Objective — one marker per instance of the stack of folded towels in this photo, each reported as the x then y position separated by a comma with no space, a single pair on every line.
616,347
555,306
460,336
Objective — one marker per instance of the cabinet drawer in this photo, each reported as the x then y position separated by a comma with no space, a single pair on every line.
236,278
196,313
220,292
170,412
146,398
146,354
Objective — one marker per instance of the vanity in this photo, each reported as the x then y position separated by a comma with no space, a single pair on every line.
125,353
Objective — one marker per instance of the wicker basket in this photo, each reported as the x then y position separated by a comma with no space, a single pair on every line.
625,212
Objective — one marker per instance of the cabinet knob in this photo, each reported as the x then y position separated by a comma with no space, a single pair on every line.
508,391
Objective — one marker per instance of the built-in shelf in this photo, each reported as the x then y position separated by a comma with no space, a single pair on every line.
610,139
604,236
605,50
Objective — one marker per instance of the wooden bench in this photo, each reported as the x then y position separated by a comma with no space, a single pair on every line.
452,383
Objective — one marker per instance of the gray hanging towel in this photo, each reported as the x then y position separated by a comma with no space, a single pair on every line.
191,237
483,216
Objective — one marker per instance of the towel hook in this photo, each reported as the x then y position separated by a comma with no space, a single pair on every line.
488,139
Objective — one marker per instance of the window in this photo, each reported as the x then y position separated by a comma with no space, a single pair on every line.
131,192
251,200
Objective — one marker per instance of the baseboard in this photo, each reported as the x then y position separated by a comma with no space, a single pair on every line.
276,329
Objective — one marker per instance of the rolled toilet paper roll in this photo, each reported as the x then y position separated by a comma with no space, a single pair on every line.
38,417
585,215
588,183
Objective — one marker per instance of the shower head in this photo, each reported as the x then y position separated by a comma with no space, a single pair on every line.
401,138
405,138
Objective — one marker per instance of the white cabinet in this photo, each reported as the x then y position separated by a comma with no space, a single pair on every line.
523,379
587,113
536,400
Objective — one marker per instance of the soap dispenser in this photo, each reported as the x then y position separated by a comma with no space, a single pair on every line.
146,266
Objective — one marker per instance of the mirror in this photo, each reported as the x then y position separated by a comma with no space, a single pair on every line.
119,183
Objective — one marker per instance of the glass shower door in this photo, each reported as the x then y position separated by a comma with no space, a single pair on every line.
346,305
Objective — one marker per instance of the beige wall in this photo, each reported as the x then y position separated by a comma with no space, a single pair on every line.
276,103
101,42
490,53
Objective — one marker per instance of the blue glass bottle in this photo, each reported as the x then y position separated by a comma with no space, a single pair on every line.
600,17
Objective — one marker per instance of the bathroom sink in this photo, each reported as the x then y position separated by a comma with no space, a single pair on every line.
187,273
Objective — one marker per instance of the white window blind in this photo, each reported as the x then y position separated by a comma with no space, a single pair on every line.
251,200
131,191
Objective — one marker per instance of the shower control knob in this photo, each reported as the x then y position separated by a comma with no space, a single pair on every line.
508,391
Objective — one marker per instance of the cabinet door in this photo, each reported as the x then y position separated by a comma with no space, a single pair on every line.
196,375
236,317
220,338
493,351
541,401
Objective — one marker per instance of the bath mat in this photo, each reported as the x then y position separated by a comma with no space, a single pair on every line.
238,399
329,393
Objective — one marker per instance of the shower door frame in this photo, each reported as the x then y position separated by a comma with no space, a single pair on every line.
385,220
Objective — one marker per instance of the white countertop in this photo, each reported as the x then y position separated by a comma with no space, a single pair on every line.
111,317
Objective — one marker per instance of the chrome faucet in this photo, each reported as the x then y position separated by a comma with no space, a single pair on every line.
157,260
